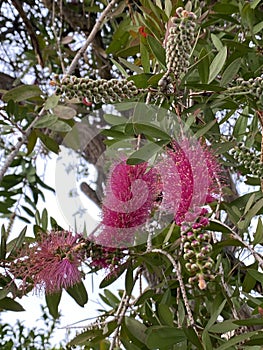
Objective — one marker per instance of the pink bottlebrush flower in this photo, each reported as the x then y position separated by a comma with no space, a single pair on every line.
131,192
51,263
188,174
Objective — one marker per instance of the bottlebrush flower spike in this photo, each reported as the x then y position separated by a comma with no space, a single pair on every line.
51,263
188,174
131,192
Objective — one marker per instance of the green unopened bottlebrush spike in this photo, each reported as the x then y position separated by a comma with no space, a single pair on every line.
253,87
180,35
97,91
248,158
197,250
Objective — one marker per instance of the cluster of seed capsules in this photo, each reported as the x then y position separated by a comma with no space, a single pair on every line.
97,91
253,86
178,45
197,250
247,158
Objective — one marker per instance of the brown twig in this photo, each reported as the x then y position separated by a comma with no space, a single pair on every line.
181,284
91,36
260,117
19,7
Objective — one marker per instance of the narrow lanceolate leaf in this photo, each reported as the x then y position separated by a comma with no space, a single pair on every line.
217,64
3,243
78,293
258,238
235,340
53,301
161,337
230,72
157,49
215,315
10,304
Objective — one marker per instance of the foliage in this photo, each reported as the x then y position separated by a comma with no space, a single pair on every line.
200,64
19,337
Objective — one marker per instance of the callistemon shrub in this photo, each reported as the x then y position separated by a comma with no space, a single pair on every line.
50,264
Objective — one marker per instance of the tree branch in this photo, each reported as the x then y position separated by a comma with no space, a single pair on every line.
91,36
181,284
18,5
19,144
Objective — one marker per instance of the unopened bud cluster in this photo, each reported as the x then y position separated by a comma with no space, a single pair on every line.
253,86
97,91
103,257
197,250
247,158
178,45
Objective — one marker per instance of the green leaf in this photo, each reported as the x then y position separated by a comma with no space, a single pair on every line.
141,80
255,340
255,3
249,322
113,300
44,219
45,121
64,112
157,50
146,152
230,72
16,243
249,281
249,202
129,345
193,337
258,276
53,301
10,304
60,126
165,315
115,119
85,336
235,340
240,126
217,64
78,293
258,237
161,337
112,277
217,42
22,93
31,142
203,66
121,69
48,142
149,293
254,210
51,102
150,130
3,242
145,58
214,316
129,283
223,327
131,66
136,328
205,129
